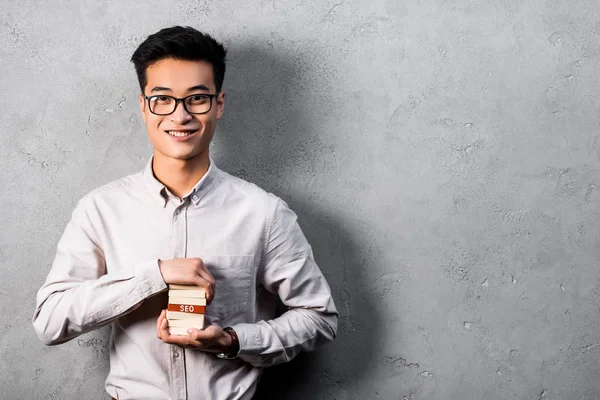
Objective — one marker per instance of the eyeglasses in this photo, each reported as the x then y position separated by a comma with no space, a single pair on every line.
194,104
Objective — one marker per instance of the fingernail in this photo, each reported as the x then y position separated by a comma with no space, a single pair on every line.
190,330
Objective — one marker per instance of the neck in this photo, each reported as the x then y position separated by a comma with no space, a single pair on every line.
180,176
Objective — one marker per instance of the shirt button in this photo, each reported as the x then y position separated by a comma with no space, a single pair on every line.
177,212
195,198
175,354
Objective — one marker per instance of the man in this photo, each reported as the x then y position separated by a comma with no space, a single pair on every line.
183,221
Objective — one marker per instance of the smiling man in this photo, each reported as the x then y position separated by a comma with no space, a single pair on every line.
184,221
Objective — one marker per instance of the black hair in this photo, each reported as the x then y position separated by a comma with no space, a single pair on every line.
180,43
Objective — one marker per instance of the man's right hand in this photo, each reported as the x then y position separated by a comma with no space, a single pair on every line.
188,271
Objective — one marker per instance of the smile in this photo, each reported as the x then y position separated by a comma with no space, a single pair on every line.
180,134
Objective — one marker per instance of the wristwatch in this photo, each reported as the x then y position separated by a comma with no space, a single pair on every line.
234,349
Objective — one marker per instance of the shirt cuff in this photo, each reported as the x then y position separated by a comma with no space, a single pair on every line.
148,277
249,339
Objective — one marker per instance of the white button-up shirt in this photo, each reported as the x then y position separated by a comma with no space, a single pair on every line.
106,272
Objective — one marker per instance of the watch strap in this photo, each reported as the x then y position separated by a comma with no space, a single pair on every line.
234,349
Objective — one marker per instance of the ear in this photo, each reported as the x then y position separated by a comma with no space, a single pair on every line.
143,106
220,104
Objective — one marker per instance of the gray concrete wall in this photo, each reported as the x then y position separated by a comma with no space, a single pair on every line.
443,157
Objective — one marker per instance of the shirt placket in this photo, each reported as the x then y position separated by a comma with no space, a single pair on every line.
179,250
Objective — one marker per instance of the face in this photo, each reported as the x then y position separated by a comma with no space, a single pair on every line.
181,135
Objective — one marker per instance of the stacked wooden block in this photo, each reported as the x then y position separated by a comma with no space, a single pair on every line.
186,308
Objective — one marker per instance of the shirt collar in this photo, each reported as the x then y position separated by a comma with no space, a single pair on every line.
159,191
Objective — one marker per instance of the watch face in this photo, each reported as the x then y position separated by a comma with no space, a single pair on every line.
224,356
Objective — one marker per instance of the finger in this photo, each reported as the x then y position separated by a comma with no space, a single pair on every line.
159,322
209,288
164,329
203,272
195,334
182,340
207,335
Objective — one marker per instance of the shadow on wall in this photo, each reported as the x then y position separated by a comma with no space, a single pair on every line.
270,136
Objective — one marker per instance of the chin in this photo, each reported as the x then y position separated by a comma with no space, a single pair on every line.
183,156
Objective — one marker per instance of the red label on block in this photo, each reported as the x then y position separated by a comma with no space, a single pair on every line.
187,308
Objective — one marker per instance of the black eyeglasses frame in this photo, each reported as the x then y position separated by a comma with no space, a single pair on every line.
182,100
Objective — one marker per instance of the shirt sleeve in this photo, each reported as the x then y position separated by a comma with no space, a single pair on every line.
289,270
78,295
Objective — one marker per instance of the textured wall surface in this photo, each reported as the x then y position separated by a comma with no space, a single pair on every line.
443,157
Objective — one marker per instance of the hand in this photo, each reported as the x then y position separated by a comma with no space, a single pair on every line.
188,271
212,339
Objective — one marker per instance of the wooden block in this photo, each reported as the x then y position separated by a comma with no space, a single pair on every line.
186,308
183,287
178,331
188,318
201,294
187,300
172,315
186,323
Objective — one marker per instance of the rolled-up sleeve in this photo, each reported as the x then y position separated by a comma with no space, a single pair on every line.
78,295
289,270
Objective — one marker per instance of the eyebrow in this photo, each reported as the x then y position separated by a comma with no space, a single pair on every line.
198,87
192,89
160,89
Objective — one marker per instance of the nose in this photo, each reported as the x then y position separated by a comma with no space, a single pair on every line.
180,115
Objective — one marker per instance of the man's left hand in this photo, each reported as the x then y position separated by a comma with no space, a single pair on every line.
212,339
